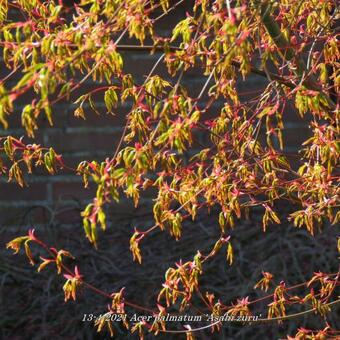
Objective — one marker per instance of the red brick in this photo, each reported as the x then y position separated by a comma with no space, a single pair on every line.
141,63
27,216
70,215
13,192
71,142
70,190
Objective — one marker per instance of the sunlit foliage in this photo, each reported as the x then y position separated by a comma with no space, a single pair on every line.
56,49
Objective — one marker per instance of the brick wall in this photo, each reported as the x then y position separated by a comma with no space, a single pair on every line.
96,138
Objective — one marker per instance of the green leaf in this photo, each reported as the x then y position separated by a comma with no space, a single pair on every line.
111,99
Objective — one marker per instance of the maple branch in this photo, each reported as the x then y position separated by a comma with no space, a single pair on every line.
253,69
288,53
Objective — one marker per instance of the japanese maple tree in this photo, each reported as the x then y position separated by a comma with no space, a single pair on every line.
56,48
